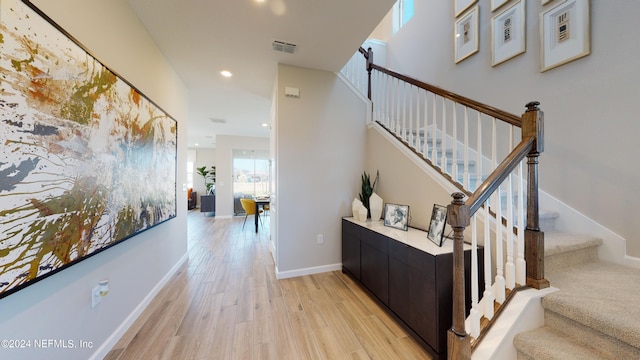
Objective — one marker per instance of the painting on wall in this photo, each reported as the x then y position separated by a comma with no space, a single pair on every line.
86,160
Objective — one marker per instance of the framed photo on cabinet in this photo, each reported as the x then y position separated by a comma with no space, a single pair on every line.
459,6
564,34
508,36
437,224
466,35
396,216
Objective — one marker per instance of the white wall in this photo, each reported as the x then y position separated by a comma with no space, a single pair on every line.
204,157
225,144
59,307
320,157
590,124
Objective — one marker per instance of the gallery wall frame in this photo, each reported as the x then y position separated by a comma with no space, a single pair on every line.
508,34
466,35
396,216
460,6
564,34
496,4
88,161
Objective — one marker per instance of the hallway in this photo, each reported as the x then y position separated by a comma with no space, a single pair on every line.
225,303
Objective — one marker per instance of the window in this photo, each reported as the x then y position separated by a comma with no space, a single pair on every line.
251,176
189,175
402,13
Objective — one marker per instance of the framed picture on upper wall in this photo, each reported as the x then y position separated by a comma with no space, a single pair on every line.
459,6
508,37
396,216
466,35
496,4
564,33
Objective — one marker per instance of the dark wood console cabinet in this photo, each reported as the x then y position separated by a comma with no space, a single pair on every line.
409,275
208,203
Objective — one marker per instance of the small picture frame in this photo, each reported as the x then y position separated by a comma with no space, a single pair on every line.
466,35
496,4
564,33
437,224
508,36
459,6
396,216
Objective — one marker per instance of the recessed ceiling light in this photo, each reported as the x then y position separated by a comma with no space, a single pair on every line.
196,144
226,73
264,124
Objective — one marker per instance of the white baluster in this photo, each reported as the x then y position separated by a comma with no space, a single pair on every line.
410,134
454,138
488,297
474,314
425,148
479,154
499,283
465,173
521,265
443,135
434,131
509,267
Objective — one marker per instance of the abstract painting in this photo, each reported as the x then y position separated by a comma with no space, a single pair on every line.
86,160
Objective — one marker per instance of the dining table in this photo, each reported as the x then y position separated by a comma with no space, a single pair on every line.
260,202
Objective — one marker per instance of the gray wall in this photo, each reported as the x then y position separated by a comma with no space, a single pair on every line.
591,130
319,157
59,307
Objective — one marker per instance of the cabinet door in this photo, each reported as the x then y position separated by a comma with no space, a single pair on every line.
424,307
399,285
374,264
350,249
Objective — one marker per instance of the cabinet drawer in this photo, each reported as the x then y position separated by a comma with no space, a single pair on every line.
376,241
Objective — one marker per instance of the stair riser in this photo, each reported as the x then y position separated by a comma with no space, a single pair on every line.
567,259
610,347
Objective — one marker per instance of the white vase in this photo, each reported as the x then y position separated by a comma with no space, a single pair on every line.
362,213
375,205
355,206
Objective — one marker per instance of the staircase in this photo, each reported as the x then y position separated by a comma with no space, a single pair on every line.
593,315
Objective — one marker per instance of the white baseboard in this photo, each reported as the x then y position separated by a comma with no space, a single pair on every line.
102,351
307,271
632,261
614,246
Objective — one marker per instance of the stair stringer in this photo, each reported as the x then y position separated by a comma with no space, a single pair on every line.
524,312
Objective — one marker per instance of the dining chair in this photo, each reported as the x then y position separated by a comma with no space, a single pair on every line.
250,208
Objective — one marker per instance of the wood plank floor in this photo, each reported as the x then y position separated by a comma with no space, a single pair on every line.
226,303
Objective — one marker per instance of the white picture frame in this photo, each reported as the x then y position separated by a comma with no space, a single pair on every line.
460,6
508,34
564,34
496,4
466,35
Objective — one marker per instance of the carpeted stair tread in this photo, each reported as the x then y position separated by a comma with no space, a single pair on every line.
546,344
559,242
601,296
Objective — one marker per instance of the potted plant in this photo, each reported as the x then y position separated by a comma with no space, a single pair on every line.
209,178
367,189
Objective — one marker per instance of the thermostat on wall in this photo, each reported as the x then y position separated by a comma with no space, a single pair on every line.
291,92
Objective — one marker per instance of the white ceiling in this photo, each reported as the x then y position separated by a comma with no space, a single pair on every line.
202,37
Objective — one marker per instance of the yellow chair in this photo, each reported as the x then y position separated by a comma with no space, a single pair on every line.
250,208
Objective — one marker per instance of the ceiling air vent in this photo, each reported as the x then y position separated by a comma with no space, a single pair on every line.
218,121
283,46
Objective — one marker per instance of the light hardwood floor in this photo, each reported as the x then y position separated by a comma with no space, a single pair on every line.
226,303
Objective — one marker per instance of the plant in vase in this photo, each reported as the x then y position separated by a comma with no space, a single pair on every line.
367,189
209,178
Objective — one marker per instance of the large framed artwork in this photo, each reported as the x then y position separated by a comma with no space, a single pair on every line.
86,160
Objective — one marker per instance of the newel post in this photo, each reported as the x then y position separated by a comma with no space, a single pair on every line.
369,68
533,125
458,341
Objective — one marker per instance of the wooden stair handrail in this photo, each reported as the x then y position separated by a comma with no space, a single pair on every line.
490,185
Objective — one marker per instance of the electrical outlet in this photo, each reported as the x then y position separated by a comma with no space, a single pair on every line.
320,239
